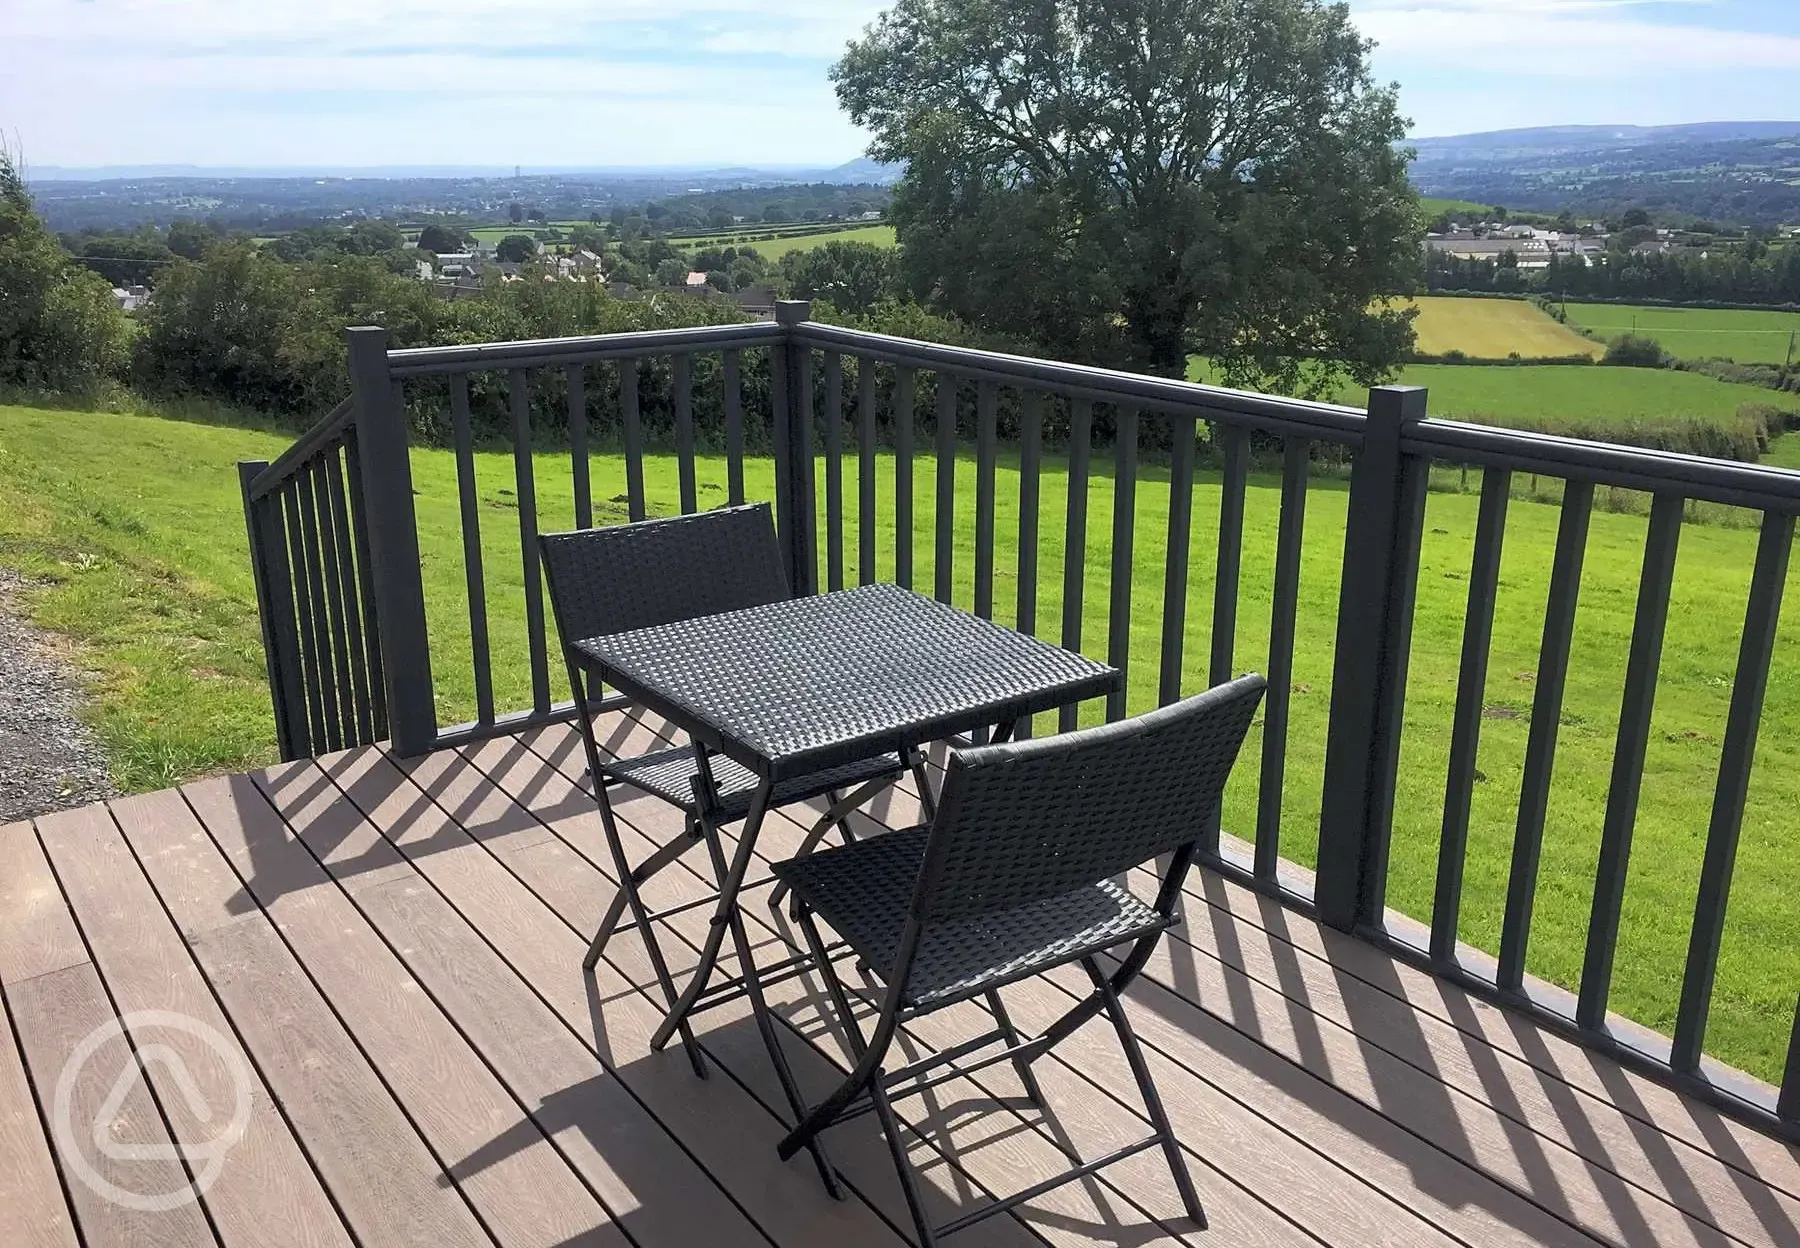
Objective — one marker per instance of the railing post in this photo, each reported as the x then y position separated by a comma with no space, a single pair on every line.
1374,635
381,439
792,391
275,609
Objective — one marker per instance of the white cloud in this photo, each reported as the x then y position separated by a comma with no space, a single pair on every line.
1560,38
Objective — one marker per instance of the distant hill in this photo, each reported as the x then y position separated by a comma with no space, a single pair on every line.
1739,172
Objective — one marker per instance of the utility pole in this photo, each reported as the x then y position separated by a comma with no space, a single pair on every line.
1790,355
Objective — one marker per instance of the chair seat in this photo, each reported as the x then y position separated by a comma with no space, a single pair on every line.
669,774
865,891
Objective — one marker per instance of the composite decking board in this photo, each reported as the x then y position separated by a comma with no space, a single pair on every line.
54,1013
1564,1182
266,1192
576,823
34,1211
1659,1164
525,960
722,1126
37,933
528,1197
780,834
1760,1157
382,1177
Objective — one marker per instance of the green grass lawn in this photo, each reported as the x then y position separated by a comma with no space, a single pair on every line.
135,524
1698,333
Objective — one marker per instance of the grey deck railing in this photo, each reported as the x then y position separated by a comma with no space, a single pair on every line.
336,547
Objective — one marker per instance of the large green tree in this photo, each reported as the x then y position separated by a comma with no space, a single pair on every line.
59,327
1134,181
851,276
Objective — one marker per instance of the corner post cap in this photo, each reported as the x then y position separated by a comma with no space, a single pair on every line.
1399,405
793,311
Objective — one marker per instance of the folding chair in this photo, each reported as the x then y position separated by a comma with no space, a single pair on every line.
613,580
1014,876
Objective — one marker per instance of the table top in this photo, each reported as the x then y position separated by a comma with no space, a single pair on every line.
797,686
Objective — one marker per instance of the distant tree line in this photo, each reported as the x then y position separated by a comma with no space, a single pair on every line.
1751,273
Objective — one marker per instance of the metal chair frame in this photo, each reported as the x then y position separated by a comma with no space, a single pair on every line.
871,1088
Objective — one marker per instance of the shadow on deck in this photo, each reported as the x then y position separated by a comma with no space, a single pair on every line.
384,957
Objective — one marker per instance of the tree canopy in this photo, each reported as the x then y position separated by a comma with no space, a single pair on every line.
516,248
1138,180
851,276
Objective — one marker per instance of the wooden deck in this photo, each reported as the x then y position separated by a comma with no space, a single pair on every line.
396,949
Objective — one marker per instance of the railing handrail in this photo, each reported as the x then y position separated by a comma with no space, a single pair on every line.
1304,417
1758,486
543,352
305,447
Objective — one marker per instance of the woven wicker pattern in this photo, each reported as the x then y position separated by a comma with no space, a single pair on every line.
864,892
669,774
812,682
1026,821
657,571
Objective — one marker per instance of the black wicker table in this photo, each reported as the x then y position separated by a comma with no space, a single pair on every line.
795,687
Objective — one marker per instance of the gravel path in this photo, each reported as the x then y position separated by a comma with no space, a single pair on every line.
48,758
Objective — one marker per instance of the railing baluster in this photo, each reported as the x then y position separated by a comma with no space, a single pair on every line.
946,484
576,378
1628,756
313,563
1471,700
905,395
1182,430
1540,746
526,495
633,421
333,572
865,470
1031,450
834,470
1755,653
1788,1105
365,579
303,615
1081,435
987,409
681,370
1118,626
356,638
1235,446
731,378
1284,609
474,571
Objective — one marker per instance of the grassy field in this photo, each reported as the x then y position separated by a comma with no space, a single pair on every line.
1698,333
134,524
775,248
1529,395
1434,207
1494,329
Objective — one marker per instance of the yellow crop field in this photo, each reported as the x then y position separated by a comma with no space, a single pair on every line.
1494,329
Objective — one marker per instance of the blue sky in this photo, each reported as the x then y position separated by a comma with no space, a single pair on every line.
644,82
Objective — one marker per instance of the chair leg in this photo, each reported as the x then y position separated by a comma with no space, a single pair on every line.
1010,1034
640,915
1140,1071
609,922
840,1000
909,1182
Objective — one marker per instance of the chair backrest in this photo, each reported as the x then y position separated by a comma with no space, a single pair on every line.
1033,820
630,576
